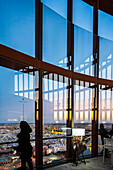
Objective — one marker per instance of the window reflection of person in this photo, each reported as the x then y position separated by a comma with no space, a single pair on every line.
25,147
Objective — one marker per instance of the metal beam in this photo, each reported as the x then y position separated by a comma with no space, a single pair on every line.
24,59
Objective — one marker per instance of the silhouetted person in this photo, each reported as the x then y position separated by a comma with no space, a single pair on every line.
25,147
104,134
111,132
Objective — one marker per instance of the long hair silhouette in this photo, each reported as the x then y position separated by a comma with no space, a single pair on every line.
25,147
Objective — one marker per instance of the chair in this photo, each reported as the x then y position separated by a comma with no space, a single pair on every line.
108,144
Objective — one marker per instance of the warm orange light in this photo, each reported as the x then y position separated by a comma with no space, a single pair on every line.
70,115
95,114
92,115
37,115
66,115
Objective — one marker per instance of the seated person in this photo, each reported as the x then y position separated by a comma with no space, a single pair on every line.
111,132
104,134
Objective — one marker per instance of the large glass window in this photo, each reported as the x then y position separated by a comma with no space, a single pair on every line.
54,103
59,6
105,58
105,25
105,111
83,15
83,113
17,25
55,115
83,51
17,96
54,38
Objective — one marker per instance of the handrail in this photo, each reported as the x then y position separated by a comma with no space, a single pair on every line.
38,139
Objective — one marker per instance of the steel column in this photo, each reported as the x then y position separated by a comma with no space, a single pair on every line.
39,112
70,65
95,90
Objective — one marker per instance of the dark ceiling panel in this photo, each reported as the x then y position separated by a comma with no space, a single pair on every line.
104,5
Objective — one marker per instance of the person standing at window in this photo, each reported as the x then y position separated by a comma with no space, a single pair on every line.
25,147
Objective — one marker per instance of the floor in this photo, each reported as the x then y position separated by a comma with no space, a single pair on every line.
92,163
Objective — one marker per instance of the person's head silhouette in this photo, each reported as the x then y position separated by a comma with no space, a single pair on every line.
25,127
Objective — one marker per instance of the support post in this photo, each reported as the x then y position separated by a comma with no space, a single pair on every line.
70,64
95,90
38,106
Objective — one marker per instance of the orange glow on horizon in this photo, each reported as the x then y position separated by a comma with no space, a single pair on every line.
81,115
60,115
55,115
108,115
86,115
77,117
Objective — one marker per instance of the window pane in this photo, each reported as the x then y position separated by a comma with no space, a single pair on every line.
83,51
82,114
15,106
105,25
105,58
59,6
83,15
54,38
17,25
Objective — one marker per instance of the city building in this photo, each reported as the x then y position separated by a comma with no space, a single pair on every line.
56,71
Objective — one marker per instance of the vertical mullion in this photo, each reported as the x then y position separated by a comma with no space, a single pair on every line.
38,55
95,90
70,65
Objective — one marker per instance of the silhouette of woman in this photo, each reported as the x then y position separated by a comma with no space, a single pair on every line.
25,147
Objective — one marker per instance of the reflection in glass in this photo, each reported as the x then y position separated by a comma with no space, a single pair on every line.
105,25
83,51
54,38
83,15
82,113
105,58
59,6
17,104
17,28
